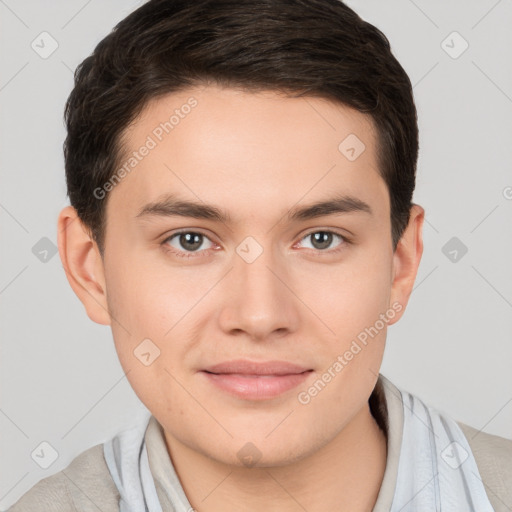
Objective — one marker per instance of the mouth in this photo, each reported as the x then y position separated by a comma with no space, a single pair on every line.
251,380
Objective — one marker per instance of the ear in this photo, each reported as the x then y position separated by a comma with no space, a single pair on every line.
406,260
83,265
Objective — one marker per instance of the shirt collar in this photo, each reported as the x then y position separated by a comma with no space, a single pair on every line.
387,408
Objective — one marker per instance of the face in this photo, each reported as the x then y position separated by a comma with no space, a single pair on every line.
252,272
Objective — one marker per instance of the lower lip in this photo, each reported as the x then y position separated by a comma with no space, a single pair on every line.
256,387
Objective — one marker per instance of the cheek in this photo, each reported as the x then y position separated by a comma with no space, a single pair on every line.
349,296
158,304
354,298
148,297
146,307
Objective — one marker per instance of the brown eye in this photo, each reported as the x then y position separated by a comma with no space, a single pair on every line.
185,242
322,240
190,241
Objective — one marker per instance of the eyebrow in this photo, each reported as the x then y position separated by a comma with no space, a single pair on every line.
171,206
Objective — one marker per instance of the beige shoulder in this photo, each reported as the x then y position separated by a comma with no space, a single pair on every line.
493,455
85,485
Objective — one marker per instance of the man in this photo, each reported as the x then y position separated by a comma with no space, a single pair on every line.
241,177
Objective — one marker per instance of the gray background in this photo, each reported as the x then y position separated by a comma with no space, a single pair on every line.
61,381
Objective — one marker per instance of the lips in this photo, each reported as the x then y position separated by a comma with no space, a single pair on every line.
246,367
252,380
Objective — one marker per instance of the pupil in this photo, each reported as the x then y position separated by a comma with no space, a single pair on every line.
188,239
327,238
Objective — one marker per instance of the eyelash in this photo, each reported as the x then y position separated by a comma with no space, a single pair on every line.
190,254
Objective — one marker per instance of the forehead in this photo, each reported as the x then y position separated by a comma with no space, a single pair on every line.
246,150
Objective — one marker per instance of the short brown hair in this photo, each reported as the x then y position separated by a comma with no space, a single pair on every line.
302,47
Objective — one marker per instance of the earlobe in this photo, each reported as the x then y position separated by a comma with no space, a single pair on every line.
83,265
406,260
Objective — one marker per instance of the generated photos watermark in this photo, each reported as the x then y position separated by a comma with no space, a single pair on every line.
152,140
305,397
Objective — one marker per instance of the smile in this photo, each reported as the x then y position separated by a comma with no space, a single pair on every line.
256,387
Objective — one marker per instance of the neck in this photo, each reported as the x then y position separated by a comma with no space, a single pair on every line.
345,474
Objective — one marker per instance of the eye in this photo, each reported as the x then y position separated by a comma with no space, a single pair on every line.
322,239
190,244
185,243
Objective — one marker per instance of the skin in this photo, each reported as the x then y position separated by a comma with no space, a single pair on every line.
256,155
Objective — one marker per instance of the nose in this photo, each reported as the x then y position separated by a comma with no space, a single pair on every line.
259,299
